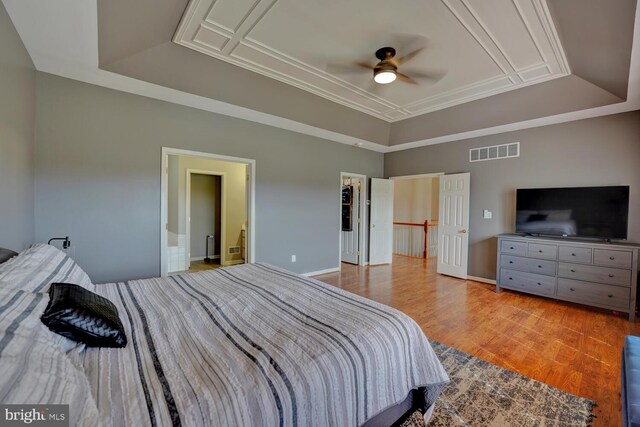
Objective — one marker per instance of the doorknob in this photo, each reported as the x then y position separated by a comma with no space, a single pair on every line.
463,231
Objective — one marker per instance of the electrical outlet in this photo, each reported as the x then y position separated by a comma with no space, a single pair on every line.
293,258
487,214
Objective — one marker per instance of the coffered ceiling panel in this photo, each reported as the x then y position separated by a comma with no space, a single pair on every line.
473,48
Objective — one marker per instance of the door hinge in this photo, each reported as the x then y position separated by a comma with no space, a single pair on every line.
359,220
358,253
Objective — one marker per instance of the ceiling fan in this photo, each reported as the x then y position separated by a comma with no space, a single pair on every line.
386,71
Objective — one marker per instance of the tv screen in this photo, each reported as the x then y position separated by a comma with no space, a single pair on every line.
596,212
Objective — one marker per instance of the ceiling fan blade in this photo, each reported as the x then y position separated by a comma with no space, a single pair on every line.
409,56
405,78
365,65
433,75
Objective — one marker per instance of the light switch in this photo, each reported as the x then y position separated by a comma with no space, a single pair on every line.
487,214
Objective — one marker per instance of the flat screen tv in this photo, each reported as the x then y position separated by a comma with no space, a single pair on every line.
590,212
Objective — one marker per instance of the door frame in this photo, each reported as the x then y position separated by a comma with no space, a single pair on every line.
362,237
223,212
164,197
419,176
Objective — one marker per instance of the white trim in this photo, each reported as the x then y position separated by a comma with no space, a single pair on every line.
419,176
481,280
223,212
319,272
251,200
363,243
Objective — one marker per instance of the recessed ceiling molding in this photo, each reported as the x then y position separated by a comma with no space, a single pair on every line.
534,73
257,44
73,54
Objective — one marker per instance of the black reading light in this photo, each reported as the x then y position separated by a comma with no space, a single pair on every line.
65,241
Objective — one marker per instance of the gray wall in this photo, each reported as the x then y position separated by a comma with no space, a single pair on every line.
98,161
172,193
205,214
17,117
599,151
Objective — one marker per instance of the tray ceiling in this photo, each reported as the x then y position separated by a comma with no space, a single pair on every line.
483,47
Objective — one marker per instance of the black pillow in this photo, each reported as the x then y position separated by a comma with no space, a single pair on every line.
537,217
81,315
6,255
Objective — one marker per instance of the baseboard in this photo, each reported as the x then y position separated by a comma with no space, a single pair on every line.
234,262
201,258
319,272
481,280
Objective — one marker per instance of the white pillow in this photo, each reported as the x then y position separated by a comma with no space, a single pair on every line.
34,269
34,367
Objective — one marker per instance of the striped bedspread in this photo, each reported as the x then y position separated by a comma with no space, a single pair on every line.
255,345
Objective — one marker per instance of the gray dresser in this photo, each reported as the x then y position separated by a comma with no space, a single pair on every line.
598,274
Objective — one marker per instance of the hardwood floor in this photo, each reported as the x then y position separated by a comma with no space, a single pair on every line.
571,347
202,266
199,266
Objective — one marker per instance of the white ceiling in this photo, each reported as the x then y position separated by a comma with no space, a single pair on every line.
507,44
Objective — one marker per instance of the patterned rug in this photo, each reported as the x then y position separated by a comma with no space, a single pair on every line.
483,394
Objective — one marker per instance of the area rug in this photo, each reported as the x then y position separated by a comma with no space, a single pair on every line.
483,394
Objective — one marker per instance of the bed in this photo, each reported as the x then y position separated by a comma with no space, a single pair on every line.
245,345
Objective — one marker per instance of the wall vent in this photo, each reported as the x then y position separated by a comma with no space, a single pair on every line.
234,250
494,152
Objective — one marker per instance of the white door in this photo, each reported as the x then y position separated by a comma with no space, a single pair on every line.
381,219
350,234
453,230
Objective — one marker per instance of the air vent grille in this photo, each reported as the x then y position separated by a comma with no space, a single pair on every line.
234,250
494,152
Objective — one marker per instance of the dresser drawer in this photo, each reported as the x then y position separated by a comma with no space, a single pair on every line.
529,265
594,273
538,250
513,248
528,282
575,254
612,296
610,258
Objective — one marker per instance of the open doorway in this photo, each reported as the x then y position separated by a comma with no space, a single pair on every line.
415,215
352,218
207,211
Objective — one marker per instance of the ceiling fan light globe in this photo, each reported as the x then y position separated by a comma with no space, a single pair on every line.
384,77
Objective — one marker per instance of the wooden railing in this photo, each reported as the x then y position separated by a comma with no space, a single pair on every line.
415,239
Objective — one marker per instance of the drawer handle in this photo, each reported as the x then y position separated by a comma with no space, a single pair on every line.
612,258
539,266
539,284
571,289
510,278
611,275
511,247
540,250
573,255
510,262
610,296
572,270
